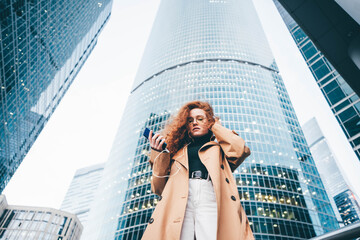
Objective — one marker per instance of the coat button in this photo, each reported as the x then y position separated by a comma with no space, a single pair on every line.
233,198
160,198
151,220
222,166
227,180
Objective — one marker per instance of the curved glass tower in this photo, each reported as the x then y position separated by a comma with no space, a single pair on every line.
215,50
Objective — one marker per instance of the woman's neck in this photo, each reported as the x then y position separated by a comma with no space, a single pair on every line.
202,139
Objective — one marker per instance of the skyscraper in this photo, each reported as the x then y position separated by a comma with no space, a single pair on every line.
216,51
43,45
348,207
334,27
343,101
339,192
80,194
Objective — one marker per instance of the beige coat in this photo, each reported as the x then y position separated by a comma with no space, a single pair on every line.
220,159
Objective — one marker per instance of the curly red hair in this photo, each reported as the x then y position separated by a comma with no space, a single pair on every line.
176,132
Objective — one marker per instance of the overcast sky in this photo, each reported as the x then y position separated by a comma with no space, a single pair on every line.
81,130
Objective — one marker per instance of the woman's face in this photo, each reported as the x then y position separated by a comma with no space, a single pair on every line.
197,123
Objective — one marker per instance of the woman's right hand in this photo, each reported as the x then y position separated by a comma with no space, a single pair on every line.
156,141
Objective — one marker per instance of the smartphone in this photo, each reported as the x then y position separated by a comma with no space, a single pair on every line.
146,134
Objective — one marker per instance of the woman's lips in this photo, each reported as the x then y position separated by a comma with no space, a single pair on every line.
196,129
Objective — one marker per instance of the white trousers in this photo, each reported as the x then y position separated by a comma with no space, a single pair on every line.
200,221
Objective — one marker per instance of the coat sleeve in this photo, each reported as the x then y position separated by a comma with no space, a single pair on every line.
232,144
160,164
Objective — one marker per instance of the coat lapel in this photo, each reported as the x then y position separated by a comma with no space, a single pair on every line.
182,157
207,145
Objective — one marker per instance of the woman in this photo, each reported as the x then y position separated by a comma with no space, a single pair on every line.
198,193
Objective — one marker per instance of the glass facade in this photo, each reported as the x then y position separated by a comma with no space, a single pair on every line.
81,192
30,223
343,101
331,176
348,207
43,45
214,50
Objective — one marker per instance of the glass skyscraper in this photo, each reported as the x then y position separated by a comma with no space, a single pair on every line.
345,205
214,50
343,101
348,207
80,194
43,45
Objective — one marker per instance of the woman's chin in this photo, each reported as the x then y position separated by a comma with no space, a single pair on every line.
196,134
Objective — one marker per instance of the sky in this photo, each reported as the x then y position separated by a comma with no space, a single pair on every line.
82,128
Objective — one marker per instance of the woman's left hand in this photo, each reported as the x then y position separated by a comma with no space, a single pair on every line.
216,120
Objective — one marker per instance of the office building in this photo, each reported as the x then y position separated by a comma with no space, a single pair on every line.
334,28
215,51
21,222
342,198
43,45
348,206
343,101
81,192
